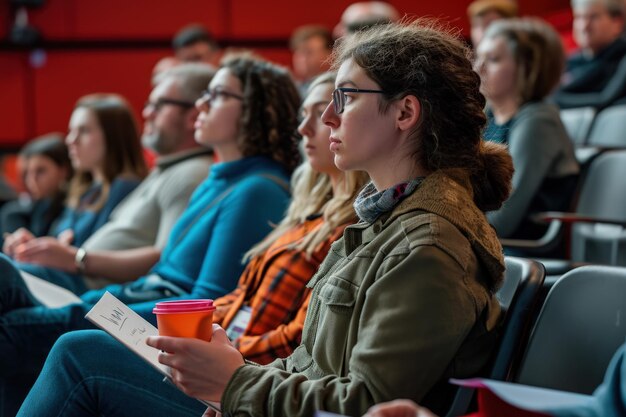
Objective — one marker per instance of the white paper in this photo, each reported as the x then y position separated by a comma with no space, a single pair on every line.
114,317
526,397
49,294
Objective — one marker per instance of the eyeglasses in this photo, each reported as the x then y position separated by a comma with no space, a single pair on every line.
339,96
210,95
157,105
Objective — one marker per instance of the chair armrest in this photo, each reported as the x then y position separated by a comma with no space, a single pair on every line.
545,242
571,218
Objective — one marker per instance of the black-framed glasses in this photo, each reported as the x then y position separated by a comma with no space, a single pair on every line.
157,105
339,96
210,95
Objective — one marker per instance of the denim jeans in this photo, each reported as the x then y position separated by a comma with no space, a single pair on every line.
28,330
89,373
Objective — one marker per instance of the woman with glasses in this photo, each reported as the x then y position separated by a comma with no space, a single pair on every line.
105,152
405,300
249,118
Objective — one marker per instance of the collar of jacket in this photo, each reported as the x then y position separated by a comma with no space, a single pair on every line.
446,193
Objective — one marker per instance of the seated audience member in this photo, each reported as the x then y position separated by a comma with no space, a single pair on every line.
140,225
194,43
249,117
404,301
363,14
519,62
310,47
45,170
608,400
108,164
596,74
482,13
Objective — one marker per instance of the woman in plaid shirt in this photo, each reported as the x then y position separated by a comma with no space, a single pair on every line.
264,315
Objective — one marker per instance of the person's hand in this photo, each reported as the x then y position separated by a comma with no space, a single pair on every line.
200,369
47,251
66,237
15,239
398,408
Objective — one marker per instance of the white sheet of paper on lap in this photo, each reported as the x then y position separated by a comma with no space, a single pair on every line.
114,317
49,294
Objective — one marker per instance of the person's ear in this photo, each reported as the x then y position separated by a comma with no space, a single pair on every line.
409,110
190,118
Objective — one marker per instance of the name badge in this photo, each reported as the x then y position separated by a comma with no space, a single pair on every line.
238,325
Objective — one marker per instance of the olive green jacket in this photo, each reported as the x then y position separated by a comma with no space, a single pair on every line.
397,308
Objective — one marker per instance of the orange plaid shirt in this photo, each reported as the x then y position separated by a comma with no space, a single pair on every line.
273,285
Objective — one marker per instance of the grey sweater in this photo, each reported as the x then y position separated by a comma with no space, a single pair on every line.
543,156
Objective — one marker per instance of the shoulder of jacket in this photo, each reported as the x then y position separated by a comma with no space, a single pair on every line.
425,228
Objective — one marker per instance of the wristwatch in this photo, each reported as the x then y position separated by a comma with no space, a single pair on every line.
80,260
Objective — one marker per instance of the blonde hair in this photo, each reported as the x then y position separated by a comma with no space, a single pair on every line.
313,194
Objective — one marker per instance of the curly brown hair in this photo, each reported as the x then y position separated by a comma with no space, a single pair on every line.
270,109
423,59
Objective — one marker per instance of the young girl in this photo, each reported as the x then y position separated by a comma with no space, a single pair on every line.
520,62
249,117
402,302
46,169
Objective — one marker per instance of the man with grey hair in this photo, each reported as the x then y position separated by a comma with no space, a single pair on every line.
596,74
140,226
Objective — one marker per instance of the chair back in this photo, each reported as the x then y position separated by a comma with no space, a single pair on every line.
581,325
523,279
609,128
602,195
577,122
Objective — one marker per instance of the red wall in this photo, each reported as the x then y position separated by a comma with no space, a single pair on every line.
36,96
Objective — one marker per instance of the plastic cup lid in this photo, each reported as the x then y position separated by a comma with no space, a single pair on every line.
183,306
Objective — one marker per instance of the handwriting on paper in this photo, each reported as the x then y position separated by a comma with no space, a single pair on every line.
116,318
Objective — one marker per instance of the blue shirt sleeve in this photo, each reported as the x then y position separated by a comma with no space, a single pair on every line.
236,231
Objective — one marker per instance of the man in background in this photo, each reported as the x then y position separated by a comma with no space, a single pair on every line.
482,13
364,14
596,74
194,43
311,46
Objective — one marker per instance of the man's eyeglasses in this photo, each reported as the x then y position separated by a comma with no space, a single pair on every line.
339,96
210,95
157,105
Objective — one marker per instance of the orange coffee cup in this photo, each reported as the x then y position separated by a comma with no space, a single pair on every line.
185,318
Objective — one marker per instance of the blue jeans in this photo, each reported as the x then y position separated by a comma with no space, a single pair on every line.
28,330
89,373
